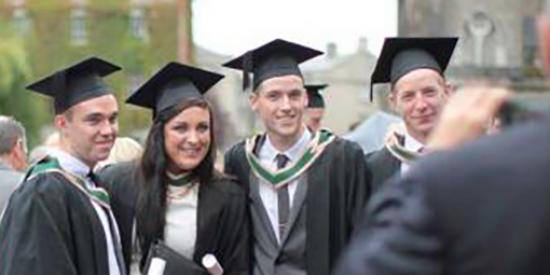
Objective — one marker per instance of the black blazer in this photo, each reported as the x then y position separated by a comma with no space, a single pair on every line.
483,209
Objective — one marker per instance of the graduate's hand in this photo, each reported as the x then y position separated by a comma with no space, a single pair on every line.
467,116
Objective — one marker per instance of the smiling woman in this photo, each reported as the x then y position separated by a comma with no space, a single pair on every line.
188,137
180,200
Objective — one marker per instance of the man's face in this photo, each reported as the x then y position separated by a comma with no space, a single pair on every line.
89,129
280,103
313,119
419,97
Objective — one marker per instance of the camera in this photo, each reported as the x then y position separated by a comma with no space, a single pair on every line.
522,108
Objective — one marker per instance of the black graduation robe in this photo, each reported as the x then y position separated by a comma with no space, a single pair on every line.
51,227
337,193
382,165
222,227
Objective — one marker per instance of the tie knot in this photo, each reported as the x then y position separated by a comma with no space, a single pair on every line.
92,176
281,160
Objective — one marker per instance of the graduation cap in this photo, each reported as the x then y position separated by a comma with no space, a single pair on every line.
400,55
171,84
77,83
315,98
276,58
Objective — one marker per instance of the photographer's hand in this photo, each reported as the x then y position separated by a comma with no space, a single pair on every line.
466,116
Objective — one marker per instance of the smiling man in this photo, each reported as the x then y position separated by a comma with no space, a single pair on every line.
415,69
59,220
306,189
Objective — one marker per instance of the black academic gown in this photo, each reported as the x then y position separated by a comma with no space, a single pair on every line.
222,227
50,227
382,165
483,209
336,195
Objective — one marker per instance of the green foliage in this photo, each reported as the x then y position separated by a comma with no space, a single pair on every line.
47,47
13,63
15,72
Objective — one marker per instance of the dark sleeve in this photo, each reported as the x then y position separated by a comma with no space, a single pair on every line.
375,169
236,165
119,180
235,244
229,161
381,166
399,235
114,175
35,232
359,189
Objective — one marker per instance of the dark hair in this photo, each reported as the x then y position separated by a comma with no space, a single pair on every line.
151,178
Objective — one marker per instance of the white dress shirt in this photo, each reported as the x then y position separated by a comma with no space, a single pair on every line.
268,193
75,166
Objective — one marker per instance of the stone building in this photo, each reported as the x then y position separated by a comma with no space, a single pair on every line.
497,38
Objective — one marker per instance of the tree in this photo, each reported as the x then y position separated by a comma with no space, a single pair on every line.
15,72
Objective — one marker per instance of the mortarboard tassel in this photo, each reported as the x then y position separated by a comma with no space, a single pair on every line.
247,68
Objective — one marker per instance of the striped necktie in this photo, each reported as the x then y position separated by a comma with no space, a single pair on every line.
283,198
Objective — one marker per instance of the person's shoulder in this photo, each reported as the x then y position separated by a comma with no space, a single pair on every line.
119,168
378,156
45,184
236,149
235,159
227,185
340,143
118,171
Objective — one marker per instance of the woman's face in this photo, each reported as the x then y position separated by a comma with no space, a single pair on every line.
187,139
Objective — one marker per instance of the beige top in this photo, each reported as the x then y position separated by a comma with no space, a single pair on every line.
180,231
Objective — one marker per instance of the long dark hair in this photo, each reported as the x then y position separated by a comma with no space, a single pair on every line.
151,178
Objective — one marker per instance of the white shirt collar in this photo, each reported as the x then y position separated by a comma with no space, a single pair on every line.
411,143
269,152
70,163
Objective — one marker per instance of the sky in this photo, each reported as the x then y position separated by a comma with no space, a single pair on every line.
232,27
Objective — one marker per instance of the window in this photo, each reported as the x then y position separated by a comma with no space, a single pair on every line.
138,23
21,21
530,48
79,36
